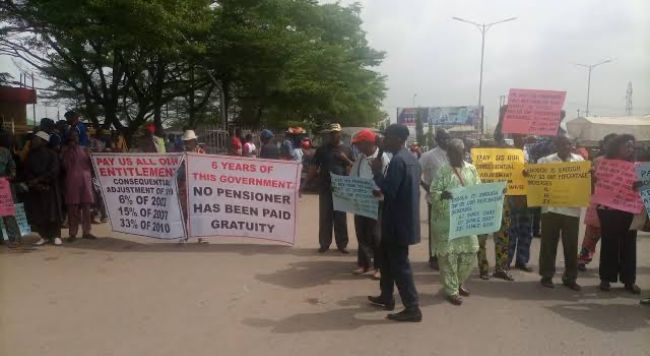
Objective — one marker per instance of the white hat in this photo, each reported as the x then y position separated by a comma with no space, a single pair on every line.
333,128
44,135
189,135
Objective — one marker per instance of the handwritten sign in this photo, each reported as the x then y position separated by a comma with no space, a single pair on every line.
354,195
535,112
241,196
501,165
21,219
614,181
562,184
6,200
140,193
643,175
476,209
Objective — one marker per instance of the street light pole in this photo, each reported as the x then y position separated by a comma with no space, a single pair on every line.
484,27
590,67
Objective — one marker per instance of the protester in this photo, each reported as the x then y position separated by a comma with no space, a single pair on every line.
430,163
74,121
49,127
79,195
558,222
618,250
99,142
521,232
249,149
290,148
456,256
8,171
190,144
332,157
592,229
268,149
400,224
150,142
118,142
415,150
43,205
367,229
236,147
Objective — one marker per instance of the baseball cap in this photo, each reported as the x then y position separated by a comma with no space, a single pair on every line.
364,135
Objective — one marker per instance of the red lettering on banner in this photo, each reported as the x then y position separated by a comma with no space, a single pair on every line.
237,166
204,177
272,183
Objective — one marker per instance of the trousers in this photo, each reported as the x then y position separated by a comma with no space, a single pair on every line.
79,214
502,240
481,255
618,247
555,226
396,270
521,235
367,231
455,268
330,219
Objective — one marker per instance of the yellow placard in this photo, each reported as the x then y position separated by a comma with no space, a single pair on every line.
501,165
562,184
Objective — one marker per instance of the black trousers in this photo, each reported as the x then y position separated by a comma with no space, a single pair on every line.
328,219
618,247
396,270
367,230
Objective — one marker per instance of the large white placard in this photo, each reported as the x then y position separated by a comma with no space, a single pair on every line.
240,196
140,193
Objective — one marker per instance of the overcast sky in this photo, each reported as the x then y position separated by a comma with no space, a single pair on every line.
429,54
437,58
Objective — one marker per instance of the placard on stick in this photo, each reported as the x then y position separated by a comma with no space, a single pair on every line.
532,111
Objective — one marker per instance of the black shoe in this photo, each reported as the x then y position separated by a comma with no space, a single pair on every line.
572,285
582,267
463,291
523,267
89,237
71,239
505,275
382,303
413,315
343,251
454,299
605,286
547,282
323,249
633,288
433,263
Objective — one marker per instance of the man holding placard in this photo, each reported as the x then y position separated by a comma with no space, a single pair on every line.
558,221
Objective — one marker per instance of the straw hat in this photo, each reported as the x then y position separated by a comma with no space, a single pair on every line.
189,135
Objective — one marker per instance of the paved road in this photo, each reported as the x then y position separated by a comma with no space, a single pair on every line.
124,295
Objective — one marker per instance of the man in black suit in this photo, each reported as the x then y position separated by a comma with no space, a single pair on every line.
400,224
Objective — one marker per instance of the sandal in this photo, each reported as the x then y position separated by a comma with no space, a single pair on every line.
454,299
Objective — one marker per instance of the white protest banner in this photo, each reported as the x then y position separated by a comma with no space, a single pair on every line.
240,196
476,209
354,195
140,193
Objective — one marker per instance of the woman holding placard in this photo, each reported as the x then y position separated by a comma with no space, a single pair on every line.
618,249
455,256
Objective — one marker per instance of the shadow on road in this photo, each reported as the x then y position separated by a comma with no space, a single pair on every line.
358,315
605,317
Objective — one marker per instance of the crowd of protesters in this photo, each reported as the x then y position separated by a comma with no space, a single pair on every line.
52,174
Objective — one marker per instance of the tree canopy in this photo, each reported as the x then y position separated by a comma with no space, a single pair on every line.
248,63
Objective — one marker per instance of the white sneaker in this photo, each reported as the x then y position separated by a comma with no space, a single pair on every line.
57,241
40,242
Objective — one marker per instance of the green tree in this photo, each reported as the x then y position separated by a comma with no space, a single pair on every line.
419,129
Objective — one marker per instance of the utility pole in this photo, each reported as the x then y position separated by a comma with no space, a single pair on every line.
590,67
33,105
484,27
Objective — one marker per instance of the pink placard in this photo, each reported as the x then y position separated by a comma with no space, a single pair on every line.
6,201
532,111
614,181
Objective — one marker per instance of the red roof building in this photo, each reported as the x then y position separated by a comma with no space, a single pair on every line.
13,105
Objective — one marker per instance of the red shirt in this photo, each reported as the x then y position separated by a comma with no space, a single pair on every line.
235,145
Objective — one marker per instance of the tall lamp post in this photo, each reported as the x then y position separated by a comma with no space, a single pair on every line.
483,27
590,67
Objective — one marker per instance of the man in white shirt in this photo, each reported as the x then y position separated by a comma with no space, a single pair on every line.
430,163
560,221
367,229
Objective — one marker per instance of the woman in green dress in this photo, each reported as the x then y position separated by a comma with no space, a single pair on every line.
456,256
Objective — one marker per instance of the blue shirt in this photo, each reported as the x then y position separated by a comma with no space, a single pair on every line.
400,219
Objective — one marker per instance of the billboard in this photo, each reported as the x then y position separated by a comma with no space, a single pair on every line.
441,115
